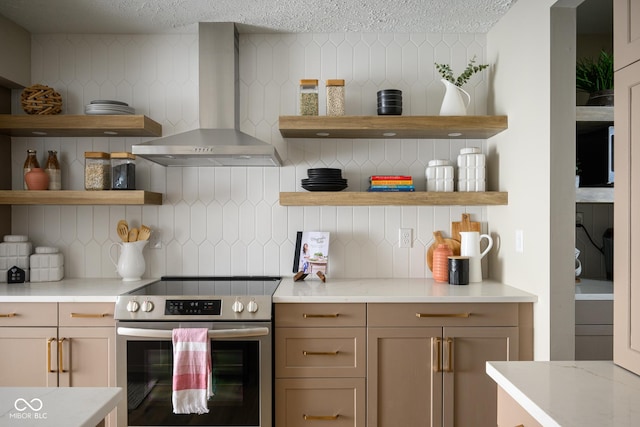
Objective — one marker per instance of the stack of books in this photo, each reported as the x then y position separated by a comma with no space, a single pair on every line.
391,183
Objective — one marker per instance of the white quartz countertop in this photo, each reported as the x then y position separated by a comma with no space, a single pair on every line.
57,406
395,290
572,393
69,290
591,289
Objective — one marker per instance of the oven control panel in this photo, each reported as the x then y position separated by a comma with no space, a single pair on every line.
197,307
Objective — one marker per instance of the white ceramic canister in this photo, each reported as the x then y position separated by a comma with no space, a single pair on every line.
439,175
471,170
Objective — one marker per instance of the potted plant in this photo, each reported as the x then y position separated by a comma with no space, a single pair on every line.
453,104
596,78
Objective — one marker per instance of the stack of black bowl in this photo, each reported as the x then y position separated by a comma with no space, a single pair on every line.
324,179
389,102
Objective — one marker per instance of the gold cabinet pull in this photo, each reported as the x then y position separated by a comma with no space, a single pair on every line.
316,316
320,353
60,363
449,367
458,315
8,315
49,341
320,417
90,315
438,343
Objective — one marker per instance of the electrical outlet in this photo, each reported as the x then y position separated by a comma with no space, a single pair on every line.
154,240
579,218
405,238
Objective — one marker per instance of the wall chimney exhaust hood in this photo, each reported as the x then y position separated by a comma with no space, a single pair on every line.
218,141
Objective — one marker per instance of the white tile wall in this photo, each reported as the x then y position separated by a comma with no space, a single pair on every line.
228,220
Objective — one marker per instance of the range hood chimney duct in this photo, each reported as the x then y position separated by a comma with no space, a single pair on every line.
218,141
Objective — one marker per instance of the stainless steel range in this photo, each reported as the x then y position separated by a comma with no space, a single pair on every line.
238,313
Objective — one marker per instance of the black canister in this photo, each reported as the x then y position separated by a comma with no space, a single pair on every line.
458,270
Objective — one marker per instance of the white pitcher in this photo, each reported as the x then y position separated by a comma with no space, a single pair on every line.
130,265
470,246
452,103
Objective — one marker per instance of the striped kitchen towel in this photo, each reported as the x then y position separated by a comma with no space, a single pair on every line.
191,371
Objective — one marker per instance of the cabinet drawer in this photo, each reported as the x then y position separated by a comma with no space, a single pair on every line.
320,352
87,314
473,314
320,315
311,402
594,312
28,314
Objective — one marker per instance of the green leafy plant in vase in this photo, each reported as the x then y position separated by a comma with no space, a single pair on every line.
453,104
596,78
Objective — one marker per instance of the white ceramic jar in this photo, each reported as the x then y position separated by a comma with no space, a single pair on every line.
471,170
439,175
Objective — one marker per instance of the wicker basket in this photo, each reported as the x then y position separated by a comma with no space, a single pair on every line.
41,99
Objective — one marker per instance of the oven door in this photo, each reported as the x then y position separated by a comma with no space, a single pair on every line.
241,374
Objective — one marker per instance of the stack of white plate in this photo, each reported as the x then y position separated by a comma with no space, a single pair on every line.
105,106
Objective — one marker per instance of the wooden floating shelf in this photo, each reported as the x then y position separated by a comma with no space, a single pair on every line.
71,197
594,195
594,114
417,198
392,127
78,125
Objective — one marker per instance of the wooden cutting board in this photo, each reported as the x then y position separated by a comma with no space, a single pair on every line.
453,244
465,225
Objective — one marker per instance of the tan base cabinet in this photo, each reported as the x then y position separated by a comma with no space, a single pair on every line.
320,365
57,345
425,363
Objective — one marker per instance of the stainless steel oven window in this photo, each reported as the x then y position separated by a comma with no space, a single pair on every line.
241,369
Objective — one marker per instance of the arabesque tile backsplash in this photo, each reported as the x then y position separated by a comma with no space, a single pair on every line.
228,220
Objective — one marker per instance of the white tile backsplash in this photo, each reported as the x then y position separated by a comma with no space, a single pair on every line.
228,220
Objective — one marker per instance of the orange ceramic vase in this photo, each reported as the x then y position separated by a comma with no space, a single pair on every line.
441,263
37,179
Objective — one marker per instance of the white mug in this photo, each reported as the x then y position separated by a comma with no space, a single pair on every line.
470,246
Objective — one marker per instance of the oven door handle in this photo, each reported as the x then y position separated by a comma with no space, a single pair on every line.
213,333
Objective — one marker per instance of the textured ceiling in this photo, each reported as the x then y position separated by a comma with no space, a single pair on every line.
292,16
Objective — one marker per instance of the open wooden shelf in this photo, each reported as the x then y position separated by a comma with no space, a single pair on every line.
71,197
594,114
417,198
594,195
78,125
392,127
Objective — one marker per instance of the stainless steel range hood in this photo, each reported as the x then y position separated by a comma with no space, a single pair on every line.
218,141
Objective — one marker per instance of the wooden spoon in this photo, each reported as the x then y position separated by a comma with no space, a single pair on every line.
133,234
144,233
123,230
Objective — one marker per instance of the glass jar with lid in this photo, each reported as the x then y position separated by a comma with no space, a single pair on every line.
97,170
308,103
335,97
123,171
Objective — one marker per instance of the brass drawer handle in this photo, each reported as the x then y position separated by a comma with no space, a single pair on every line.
320,417
320,353
89,315
60,363
8,315
438,344
316,316
449,367
458,315
49,341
